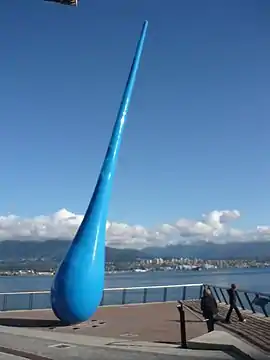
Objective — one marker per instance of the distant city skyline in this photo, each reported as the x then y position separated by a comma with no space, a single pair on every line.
196,140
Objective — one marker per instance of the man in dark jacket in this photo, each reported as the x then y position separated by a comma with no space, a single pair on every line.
209,308
233,306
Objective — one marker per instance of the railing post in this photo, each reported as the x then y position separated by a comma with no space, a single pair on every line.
4,307
102,299
263,308
124,296
144,295
240,301
30,305
250,303
264,311
165,294
184,293
183,333
217,294
224,297
201,291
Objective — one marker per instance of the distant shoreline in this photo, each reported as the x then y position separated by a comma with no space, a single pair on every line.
193,271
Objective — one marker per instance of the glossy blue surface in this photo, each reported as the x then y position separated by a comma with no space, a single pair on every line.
79,282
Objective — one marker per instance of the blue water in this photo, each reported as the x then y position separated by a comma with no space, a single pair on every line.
254,280
250,279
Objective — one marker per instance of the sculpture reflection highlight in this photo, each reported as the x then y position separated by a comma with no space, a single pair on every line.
79,282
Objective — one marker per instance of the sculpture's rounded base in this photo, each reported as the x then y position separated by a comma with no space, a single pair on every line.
72,304
72,316
78,285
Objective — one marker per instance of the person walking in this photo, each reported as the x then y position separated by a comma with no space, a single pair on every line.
209,308
233,306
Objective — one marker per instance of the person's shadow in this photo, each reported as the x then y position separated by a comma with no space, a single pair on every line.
219,318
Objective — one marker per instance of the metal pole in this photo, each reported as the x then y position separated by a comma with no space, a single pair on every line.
183,333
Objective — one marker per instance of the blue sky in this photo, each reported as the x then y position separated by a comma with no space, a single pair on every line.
197,136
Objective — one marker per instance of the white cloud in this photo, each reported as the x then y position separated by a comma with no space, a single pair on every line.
214,226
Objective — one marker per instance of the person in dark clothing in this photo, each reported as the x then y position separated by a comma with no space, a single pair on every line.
209,308
233,306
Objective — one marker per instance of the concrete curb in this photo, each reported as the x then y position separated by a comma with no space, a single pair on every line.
221,340
93,341
108,343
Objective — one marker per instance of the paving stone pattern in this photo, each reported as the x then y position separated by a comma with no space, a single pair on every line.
148,322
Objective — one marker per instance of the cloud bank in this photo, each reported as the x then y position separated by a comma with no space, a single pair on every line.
215,226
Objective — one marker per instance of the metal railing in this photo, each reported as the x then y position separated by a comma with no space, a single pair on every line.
31,300
256,302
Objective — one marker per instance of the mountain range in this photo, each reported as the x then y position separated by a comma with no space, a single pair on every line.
213,251
15,250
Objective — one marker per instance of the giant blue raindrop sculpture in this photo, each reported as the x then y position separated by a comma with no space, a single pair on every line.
79,282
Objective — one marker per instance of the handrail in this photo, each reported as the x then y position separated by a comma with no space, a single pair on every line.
25,292
239,290
153,287
129,295
108,289
142,288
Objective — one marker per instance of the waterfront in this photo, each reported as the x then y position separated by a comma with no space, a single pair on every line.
250,279
145,320
254,280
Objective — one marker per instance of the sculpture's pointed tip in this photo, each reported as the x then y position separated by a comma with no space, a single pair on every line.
145,24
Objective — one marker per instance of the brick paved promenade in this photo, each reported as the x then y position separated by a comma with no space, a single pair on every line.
158,322
148,322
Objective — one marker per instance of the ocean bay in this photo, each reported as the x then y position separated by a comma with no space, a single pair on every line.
248,279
